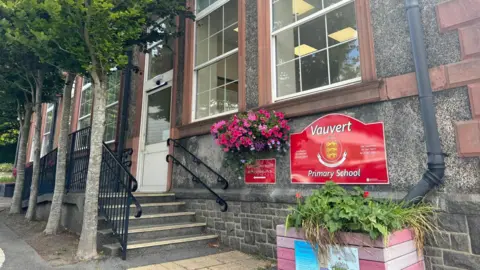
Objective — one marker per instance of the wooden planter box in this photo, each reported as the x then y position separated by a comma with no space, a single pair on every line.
6,189
399,254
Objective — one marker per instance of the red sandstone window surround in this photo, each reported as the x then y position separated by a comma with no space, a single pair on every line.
313,46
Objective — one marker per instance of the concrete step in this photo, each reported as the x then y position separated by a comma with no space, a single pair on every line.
161,219
156,208
136,248
142,198
167,230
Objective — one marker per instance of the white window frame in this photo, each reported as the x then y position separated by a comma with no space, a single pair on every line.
50,107
273,55
199,16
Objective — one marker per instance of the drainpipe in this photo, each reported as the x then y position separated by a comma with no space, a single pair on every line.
433,176
124,110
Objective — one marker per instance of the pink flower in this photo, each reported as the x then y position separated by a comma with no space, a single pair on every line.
279,115
252,116
225,149
262,127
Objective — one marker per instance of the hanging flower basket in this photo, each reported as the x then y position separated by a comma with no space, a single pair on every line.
246,135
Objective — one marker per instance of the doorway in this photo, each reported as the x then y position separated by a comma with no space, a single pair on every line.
155,126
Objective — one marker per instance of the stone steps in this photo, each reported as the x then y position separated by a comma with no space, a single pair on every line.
164,225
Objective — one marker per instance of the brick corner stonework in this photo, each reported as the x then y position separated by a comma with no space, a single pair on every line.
474,96
468,138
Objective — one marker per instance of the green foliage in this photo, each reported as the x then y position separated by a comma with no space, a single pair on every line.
7,180
332,209
6,167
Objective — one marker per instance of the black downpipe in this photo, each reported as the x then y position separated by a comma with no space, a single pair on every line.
124,109
433,176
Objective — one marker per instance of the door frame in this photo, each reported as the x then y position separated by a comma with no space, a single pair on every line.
148,87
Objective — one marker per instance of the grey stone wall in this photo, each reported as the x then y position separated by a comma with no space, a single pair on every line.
246,226
251,57
391,37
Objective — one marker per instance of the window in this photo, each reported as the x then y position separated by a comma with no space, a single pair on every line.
47,130
316,45
85,104
111,111
216,58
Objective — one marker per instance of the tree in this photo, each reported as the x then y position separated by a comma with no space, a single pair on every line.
99,34
28,21
57,200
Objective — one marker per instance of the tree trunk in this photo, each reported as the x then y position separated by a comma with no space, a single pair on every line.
57,201
87,247
37,143
16,206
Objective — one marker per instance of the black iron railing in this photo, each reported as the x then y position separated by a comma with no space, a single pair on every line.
77,160
196,179
115,196
197,161
46,180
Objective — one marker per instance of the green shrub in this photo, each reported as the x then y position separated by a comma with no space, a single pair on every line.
332,209
7,180
6,167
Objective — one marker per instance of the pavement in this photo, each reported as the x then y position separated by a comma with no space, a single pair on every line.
5,202
233,260
16,254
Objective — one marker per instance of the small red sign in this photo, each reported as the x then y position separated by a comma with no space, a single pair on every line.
341,149
262,172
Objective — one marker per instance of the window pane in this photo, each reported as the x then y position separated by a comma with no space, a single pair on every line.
231,102
202,4
344,62
160,59
215,43
158,118
84,123
203,79
312,37
217,102
231,13
86,101
341,25
231,38
202,29
286,42
286,12
45,145
288,79
217,74
282,11
314,69
202,52
48,122
216,21
232,68
202,104
113,87
328,3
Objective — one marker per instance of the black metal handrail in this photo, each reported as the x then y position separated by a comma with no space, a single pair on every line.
196,179
197,161
115,196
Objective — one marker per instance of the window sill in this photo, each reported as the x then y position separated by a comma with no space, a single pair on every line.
344,97
201,127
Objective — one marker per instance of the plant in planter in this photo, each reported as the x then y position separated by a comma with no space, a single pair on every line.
246,135
332,210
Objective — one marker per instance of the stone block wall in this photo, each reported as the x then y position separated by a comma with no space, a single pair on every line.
246,226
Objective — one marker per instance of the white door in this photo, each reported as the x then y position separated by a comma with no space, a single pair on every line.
153,168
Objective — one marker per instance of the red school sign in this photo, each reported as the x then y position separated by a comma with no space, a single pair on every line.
339,148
